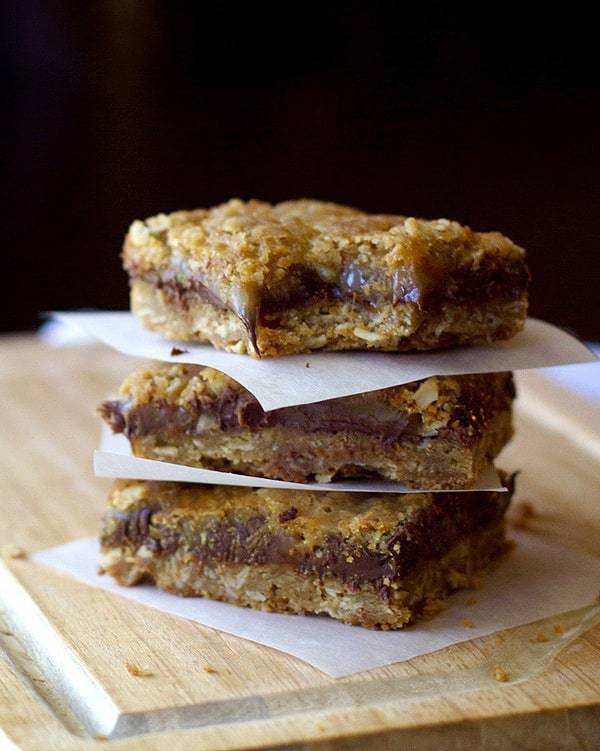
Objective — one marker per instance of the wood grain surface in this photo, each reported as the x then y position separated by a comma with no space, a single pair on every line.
64,647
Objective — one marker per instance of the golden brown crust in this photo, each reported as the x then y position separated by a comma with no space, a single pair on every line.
262,263
256,242
179,384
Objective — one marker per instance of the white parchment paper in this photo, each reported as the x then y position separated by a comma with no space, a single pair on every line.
114,459
302,379
536,581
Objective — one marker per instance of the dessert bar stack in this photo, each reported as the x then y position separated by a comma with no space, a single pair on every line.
267,281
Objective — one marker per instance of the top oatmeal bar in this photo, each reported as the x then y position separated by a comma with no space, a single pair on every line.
307,275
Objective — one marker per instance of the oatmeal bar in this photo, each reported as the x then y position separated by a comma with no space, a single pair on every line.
378,561
306,275
440,433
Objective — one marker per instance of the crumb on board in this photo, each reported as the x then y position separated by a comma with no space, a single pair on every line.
467,623
501,675
100,737
558,628
471,601
12,551
523,513
433,607
178,351
461,580
210,669
540,638
137,670
307,365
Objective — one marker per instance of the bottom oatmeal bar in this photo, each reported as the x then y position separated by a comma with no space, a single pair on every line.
378,561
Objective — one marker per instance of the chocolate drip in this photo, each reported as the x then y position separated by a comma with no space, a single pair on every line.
245,303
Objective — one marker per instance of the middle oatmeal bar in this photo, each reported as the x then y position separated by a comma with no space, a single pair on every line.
378,561
440,433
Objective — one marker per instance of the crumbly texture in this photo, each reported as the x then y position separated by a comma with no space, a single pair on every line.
501,675
440,433
378,561
307,275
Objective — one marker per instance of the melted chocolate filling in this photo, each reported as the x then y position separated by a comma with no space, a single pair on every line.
236,410
428,534
427,287
368,414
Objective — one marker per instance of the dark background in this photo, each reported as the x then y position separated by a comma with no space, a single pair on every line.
120,109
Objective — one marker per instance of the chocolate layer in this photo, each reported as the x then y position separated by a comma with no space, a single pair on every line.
426,534
427,286
368,413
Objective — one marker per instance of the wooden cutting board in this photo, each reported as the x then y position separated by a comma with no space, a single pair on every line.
64,647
